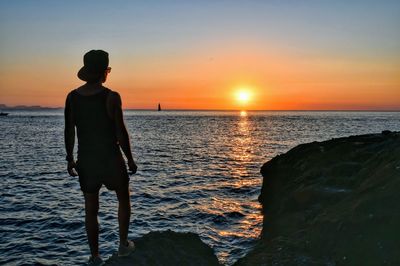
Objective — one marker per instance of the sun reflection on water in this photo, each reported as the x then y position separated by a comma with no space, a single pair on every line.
240,208
242,147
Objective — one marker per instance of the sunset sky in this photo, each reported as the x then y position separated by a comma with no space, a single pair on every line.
284,55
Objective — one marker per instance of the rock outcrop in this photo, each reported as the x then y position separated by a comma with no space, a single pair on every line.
332,203
168,248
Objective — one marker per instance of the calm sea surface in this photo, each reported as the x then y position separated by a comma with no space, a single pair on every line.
198,172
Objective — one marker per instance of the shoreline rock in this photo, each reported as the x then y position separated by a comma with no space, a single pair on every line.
168,248
332,203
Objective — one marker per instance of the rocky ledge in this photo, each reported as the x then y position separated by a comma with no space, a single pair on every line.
168,248
332,203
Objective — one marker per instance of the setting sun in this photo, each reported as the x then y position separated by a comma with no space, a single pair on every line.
243,96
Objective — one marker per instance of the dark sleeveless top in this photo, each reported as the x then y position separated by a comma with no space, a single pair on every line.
95,129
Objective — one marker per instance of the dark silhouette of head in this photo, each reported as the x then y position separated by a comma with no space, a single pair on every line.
95,67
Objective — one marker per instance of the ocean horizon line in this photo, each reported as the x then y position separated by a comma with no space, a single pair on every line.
42,108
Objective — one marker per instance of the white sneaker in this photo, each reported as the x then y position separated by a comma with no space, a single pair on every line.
96,261
124,251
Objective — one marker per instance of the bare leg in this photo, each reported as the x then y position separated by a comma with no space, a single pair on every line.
124,214
91,223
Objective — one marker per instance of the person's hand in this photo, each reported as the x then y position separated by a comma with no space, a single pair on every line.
72,168
132,166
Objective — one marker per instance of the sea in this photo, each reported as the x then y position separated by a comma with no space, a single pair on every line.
199,171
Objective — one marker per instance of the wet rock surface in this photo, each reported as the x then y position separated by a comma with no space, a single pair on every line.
168,248
332,203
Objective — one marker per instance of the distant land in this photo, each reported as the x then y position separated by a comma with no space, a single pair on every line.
26,107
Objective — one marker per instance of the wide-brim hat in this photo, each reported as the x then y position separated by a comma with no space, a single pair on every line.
95,62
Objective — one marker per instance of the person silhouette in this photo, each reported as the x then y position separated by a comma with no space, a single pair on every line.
96,113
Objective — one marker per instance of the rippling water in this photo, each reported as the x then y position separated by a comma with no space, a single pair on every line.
198,172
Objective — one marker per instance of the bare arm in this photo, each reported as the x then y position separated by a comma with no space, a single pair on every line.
69,135
122,132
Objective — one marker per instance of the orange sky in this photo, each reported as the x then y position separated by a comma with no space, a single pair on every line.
208,79
293,59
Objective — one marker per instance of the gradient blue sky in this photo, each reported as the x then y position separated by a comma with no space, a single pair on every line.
42,43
